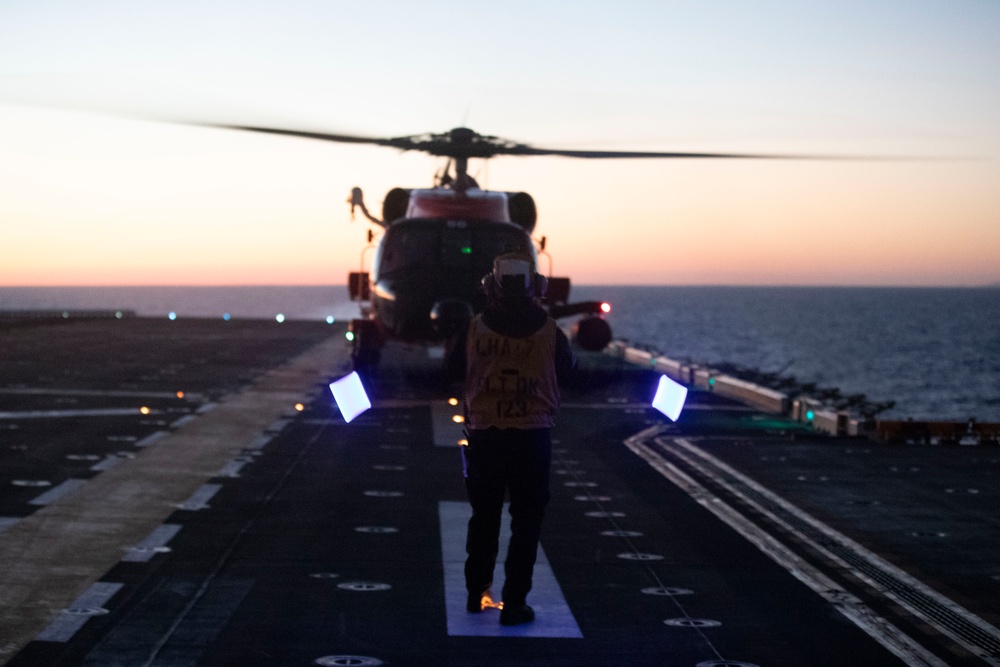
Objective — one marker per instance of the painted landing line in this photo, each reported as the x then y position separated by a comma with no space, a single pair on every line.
951,619
554,618
57,492
90,603
858,612
27,391
53,414
64,547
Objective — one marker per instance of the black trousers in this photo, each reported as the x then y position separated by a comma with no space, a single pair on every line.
499,461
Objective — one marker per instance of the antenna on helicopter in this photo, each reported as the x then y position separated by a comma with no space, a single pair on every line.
443,179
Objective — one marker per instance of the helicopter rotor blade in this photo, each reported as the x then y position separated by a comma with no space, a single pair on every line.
457,143
463,143
528,150
402,142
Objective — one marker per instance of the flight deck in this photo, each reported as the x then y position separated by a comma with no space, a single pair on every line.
187,493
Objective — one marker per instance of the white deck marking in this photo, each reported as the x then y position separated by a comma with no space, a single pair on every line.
183,421
151,438
54,414
231,469
554,618
60,553
25,391
986,633
260,442
57,492
278,426
152,544
8,521
199,499
108,462
850,606
447,432
65,625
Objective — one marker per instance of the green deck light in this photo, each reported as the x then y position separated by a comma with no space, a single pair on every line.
349,335
809,415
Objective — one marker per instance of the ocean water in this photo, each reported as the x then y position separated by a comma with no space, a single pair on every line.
294,302
934,351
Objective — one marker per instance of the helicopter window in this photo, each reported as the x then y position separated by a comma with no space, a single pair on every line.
412,248
456,248
430,244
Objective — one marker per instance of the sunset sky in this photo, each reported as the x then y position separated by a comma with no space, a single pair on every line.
95,190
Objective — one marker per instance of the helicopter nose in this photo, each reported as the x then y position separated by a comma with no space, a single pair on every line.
449,316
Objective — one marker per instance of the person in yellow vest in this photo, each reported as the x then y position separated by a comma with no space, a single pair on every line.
513,355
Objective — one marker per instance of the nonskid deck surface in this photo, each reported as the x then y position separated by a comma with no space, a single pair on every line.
729,538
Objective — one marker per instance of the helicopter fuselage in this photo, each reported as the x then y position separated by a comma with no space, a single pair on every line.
425,280
425,269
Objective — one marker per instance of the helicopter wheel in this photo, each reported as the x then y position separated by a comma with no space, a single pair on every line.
592,333
366,350
365,359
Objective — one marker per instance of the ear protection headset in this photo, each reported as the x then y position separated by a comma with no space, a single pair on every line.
508,272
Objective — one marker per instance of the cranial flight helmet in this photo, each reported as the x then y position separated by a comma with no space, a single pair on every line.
514,277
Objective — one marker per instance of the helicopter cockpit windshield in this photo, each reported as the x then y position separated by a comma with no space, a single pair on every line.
451,245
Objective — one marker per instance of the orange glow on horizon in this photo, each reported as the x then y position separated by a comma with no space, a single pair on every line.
656,224
94,197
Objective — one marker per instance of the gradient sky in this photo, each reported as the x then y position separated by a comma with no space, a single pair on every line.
116,198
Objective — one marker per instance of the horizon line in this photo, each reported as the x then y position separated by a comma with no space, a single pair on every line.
587,284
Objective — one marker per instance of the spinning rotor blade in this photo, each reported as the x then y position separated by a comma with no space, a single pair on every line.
462,143
457,143
322,136
528,150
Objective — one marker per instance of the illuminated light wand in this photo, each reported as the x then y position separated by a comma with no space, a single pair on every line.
670,397
350,396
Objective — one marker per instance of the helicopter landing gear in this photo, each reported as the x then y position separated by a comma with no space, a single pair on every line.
366,345
592,333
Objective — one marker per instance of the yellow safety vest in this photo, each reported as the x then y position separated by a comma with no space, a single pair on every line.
511,382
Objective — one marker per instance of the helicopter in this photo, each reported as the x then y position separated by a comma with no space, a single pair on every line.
437,243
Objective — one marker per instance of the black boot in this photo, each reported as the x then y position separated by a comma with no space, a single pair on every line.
515,614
